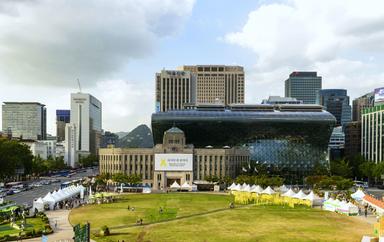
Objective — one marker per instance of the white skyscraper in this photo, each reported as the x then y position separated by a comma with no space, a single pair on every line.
85,122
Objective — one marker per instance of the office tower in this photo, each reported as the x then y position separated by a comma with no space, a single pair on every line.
336,144
276,100
218,83
70,151
174,89
352,133
372,143
86,114
336,101
26,120
62,118
358,104
303,85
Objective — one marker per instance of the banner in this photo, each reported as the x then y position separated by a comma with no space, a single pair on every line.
173,162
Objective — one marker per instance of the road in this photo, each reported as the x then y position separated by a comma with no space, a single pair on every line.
36,192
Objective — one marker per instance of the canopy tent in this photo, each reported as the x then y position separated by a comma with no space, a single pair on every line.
283,189
300,195
63,194
331,204
268,190
175,185
348,209
38,204
358,195
231,186
377,204
310,196
186,186
246,188
236,188
289,193
257,189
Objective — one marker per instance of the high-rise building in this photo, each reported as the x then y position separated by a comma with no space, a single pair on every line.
218,83
86,114
174,89
372,133
26,120
303,85
352,133
358,104
336,143
70,151
336,101
62,118
276,100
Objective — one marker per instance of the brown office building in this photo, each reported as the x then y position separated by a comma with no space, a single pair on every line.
360,103
352,146
173,160
218,83
174,89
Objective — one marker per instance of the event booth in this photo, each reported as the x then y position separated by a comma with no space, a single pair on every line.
51,199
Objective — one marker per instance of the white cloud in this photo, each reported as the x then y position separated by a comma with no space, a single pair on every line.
340,39
55,42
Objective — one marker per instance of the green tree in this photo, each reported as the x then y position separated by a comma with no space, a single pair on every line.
14,155
341,168
88,161
120,178
367,169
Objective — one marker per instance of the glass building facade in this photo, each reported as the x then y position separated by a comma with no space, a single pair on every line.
293,139
303,85
336,101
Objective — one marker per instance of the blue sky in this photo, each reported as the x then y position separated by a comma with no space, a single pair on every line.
116,47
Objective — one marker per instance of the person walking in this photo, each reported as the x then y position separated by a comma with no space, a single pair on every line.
365,211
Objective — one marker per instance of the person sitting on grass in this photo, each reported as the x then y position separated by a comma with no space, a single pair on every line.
161,210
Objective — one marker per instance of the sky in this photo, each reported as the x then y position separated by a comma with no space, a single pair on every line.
115,48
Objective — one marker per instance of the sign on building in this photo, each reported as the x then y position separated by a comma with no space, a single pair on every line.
173,162
379,95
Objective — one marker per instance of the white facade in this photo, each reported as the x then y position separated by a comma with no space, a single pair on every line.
38,148
372,133
60,149
337,140
70,156
86,114
51,147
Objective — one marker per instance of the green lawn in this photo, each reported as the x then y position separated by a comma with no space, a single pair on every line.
32,223
205,217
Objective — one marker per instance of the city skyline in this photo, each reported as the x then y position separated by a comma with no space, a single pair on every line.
343,47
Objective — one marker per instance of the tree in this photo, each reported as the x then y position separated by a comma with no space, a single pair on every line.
89,160
120,178
13,156
341,168
367,170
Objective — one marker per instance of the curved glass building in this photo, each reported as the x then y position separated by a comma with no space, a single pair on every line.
291,137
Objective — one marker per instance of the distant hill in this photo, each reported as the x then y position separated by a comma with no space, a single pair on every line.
140,137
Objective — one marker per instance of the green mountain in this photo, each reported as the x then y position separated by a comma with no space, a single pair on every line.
140,137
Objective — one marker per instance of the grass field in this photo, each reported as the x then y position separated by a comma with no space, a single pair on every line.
31,223
206,217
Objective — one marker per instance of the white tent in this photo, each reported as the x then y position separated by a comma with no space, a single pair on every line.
347,208
50,200
38,204
329,205
186,186
268,190
289,193
310,196
175,185
231,186
236,188
247,188
283,189
300,195
257,189
358,195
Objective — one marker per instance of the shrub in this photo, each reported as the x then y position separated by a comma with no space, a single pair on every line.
104,231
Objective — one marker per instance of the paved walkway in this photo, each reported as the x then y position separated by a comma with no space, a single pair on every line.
64,230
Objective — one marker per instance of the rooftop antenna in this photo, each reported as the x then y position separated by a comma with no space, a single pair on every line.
78,83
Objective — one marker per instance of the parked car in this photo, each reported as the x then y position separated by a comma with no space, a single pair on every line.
361,184
10,192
